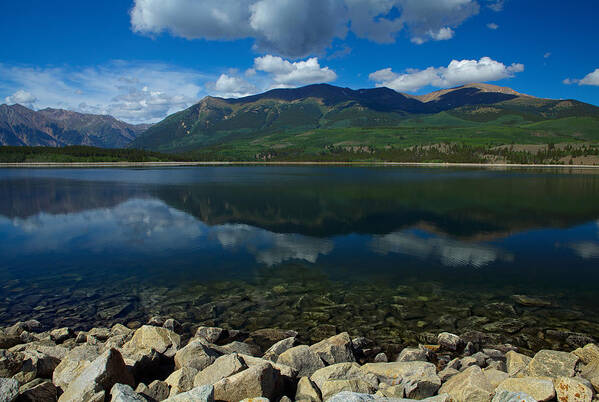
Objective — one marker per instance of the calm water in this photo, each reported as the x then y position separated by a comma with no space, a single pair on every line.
396,254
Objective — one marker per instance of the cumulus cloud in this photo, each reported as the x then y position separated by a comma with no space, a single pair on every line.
134,92
270,72
285,73
22,98
492,26
300,28
458,72
589,79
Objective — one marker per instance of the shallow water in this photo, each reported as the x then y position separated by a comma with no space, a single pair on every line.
395,254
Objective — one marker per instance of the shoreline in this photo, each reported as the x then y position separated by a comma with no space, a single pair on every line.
254,163
165,360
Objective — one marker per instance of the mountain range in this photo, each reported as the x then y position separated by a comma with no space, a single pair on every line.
57,127
318,118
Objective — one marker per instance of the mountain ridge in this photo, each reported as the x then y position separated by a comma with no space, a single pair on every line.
22,126
284,119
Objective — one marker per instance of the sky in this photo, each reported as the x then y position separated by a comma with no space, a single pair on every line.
141,60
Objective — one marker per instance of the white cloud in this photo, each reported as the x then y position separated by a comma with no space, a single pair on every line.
492,26
294,28
458,72
232,87
496,5
547,55
22,98
589,79
134,92
287,74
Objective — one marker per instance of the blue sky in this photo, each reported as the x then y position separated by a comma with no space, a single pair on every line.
141,60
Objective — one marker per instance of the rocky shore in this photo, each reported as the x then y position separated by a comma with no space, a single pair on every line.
160,361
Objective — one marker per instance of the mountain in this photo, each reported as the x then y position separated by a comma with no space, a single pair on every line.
322,118
56,128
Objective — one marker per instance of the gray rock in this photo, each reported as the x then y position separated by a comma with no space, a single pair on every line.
181,380
275,350
9,389
470,385
267,337
36,365
494,376
204,393
333,387
100,334
60,335
447,373
285,398
517,363
173,325
148,338
541,389
156,391
454,364
8,341
412,355
98,378
73,364
19,327
211,334
336,349
10,363
591,373
303,359
342,371
466,362
223,367
509,396
381,358
256,400
420,379
240,347
551,363
124,393
256,381
573,390
307,391
195,355
449,341
588,353
38,391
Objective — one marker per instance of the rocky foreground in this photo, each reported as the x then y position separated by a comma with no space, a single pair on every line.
156,362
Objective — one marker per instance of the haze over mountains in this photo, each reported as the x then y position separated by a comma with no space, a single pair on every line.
286,118
21,126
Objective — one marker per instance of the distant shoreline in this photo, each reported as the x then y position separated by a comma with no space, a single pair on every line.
215,163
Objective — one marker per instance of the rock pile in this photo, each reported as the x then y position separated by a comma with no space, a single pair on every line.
158,362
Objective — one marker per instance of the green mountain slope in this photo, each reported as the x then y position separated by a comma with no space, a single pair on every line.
318,119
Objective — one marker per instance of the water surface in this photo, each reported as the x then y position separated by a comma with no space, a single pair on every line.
395,254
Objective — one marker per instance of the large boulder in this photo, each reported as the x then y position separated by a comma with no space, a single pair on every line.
336,349
204,393
124,393
148,337
333,387
196,355
73,364
591,373
303,359
38,390
223,367
573,390
449,341
36,365
275,350
342,371
516,363
470,385
9,389
98,378
540,389
420,379
588,353
256,381
495,376
552,363
307,391
181,380
509,396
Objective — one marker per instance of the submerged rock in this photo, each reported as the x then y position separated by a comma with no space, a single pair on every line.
529,301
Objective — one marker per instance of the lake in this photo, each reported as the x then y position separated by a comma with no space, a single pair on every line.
392,253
